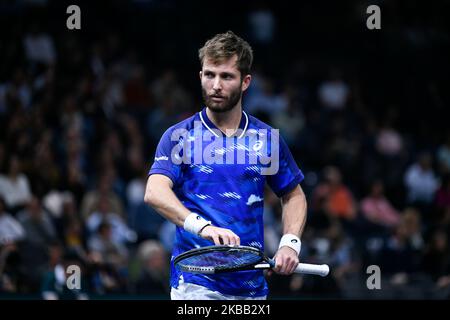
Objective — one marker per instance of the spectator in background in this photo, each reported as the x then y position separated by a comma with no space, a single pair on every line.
54,202
319,219
292,121
411,219
436,262
14,186
135,162
74,181
401,253
10,229
135,91
172,103
120,232
109,260
10,276
75,154
162,116
71,230
389,142
54,280
37,222
421,181
262,24
256,87
40,234
342,147
436,259
334,92
104,189
11,233
111,154
18,89
166,235
168,84
136,187
45,171
377,209
340,256
110,251
54,285
266,100
337,197
153,279
143,219
111,91
72,118
390,153
39,47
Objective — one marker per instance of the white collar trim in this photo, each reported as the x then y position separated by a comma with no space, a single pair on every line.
246,124
215,134
207,127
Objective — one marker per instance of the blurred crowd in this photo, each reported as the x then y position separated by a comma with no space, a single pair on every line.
79,121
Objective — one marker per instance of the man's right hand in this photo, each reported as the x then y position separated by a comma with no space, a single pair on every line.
220,236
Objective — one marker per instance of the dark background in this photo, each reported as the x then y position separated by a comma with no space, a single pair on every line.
63,125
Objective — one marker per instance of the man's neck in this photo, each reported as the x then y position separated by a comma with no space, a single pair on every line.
227,122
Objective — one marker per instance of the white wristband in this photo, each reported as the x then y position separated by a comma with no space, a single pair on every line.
291,241
195,223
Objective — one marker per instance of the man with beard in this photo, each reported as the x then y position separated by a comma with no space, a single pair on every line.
197,183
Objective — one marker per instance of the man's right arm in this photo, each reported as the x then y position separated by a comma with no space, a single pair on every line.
160,196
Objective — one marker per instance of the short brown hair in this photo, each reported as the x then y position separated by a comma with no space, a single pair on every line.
223,46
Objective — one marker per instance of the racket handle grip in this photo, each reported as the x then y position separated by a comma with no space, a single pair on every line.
317,269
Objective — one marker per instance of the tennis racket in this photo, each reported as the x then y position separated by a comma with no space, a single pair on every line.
220,259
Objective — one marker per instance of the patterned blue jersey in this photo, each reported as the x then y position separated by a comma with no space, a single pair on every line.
222,178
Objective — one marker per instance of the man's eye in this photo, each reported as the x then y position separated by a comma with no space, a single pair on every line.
209,75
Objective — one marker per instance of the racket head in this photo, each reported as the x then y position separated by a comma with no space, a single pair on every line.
219,259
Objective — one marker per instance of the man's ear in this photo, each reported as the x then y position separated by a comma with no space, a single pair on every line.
246,82
200,74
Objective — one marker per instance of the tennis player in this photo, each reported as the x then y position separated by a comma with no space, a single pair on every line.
209,173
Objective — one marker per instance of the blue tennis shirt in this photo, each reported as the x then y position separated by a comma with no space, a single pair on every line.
222,178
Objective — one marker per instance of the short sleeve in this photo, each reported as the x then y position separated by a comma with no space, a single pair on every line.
163,161
288,175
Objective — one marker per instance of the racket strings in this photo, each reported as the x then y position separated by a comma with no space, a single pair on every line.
221,259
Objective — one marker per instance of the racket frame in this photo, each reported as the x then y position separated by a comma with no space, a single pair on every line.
263,263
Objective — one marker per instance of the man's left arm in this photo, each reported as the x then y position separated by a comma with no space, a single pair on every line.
293,220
